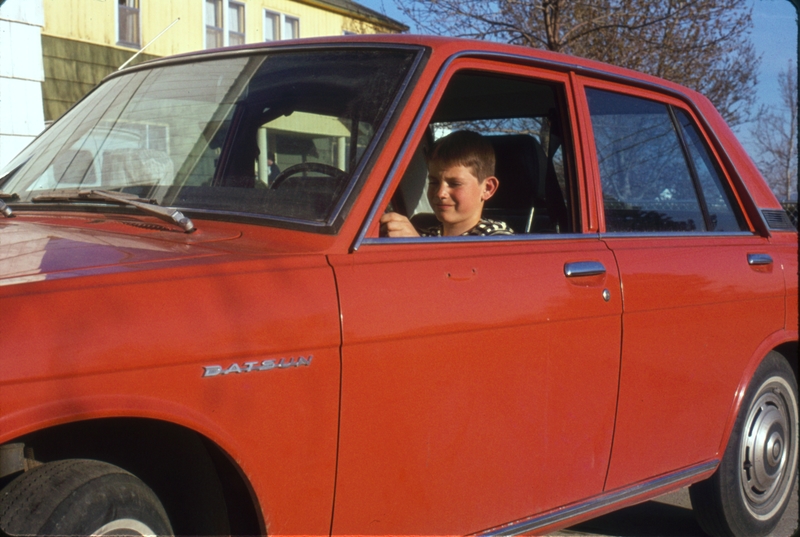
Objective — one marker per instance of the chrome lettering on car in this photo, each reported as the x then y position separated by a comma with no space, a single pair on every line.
266,365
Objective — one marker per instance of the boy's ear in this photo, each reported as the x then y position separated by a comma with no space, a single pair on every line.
490,185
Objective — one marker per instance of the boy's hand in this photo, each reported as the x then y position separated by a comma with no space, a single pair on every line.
397,225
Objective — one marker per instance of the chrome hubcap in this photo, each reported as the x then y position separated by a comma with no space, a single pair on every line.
768,454
124,527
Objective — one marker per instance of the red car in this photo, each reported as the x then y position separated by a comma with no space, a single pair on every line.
205,332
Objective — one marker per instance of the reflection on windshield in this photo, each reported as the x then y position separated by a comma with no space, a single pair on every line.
277,134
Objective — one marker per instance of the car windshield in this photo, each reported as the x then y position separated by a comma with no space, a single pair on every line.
276,134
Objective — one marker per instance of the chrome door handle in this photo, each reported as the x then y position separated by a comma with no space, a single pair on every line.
759,259
583,268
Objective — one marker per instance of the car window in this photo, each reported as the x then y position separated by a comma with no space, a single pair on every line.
724,212
277,134
656,171
647,185
525,122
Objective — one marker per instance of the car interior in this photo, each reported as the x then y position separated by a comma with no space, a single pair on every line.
524,121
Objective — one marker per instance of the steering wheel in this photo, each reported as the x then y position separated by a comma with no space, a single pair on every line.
318,167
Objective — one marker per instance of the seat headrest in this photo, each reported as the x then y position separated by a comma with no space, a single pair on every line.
520,166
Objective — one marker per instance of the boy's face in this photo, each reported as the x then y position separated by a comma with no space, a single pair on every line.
456,196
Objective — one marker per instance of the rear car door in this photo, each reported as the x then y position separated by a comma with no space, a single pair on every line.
692,272
479,374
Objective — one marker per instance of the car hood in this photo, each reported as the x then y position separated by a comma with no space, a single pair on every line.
42,250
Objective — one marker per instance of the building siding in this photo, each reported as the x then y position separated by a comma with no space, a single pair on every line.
72,68
21,76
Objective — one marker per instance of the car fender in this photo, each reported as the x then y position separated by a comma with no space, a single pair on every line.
770,342
87,407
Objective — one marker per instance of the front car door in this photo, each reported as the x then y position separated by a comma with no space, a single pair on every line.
479,374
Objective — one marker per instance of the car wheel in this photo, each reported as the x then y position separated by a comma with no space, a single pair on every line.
750,490
81,497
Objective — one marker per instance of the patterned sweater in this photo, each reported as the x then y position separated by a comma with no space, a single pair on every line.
484,227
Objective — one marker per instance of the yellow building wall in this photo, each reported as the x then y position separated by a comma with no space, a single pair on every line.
83,20
94,21
79,38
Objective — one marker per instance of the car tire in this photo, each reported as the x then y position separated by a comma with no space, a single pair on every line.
81,497
750,490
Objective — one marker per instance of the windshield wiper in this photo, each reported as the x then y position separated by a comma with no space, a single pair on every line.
168,214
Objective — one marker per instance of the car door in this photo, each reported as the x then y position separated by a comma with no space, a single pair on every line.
479,374
692,273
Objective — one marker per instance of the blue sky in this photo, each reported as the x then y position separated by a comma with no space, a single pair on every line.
775,37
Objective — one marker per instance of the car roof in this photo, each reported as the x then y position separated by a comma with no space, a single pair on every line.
441,47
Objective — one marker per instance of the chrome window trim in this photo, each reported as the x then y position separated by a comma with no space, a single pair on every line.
376,138
677,234
401,154
549,64
528,237
255,49
602,501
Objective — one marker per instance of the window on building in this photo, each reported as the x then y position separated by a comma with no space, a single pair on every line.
128,19
279,26
291,27
214,31
272,23
235,23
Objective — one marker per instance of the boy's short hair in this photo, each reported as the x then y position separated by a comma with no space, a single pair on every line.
467,148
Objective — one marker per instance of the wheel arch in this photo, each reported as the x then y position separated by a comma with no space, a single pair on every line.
784,343
202,488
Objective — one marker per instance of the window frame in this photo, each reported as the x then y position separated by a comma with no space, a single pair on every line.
672,103
573,156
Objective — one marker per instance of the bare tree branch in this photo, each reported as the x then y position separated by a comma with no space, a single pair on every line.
702,44
775,136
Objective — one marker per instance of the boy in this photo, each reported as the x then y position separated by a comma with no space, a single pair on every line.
460,179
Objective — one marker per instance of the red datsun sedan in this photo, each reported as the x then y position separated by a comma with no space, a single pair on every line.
204,330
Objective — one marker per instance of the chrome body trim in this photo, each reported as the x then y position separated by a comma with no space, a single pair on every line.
759,259
531,237
583,268
602,501
679,234
266,365
551,64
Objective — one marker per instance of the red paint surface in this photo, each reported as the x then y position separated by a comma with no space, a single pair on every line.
479,385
